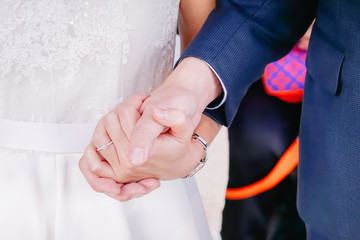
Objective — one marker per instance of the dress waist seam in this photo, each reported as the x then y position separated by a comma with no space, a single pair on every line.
45,137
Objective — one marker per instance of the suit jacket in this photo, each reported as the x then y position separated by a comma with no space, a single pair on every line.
241,36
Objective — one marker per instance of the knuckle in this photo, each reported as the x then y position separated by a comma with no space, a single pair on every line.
178,118
136,99
88,151
121,112
96,139
95,167
139,96
110,118
133,98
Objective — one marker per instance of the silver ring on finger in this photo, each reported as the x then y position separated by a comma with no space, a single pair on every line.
104,146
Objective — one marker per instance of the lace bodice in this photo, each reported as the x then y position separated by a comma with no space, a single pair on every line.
71,61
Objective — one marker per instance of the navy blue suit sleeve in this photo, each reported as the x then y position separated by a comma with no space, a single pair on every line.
241,37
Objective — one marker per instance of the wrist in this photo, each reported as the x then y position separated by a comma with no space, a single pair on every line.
197,77
189,88
200,146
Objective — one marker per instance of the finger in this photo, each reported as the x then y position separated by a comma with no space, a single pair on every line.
136,189
123,169
137,100
109,131
101,139
99,184
93,162
128,112
112,130
178,122
119,124
142,138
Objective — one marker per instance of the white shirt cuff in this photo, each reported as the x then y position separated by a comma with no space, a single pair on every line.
223,87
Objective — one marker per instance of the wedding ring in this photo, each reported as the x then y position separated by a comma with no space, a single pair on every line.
203,160
104,146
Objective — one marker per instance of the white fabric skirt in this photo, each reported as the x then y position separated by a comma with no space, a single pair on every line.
45,196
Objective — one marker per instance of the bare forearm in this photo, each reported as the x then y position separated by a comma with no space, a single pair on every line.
192,16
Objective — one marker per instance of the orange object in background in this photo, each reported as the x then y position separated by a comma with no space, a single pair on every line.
288,161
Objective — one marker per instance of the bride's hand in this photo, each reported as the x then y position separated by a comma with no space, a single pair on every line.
101,168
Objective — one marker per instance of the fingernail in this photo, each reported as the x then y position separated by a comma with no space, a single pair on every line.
161,113
137,156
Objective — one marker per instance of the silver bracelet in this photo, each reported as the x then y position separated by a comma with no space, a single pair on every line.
203,160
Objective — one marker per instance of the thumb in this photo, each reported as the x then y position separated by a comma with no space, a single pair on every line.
179,123
142,138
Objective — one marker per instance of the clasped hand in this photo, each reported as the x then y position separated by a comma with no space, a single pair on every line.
173,153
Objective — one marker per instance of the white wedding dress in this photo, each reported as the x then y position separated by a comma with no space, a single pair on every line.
64,64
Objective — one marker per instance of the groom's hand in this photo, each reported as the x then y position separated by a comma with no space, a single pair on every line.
189,88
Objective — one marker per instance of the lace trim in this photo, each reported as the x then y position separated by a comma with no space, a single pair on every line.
166,41
56,36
